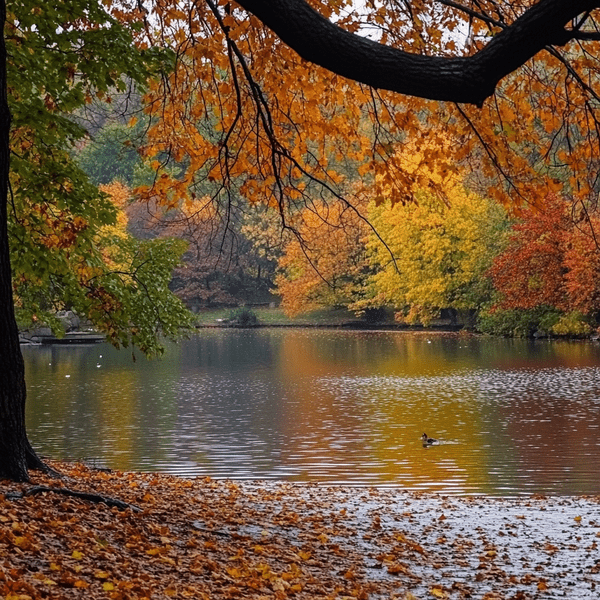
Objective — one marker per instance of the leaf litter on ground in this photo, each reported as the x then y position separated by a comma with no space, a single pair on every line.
217,539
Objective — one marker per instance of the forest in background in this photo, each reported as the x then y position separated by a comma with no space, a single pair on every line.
450,251
199,155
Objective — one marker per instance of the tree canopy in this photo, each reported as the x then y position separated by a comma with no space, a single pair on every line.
515,32
281,121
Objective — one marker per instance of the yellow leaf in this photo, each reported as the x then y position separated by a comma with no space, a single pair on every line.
234,572
578,519
107,586
101,575
77,555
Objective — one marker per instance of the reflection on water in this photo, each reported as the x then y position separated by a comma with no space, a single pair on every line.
512,417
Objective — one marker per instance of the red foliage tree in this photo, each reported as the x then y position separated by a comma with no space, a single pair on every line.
531,271
582,262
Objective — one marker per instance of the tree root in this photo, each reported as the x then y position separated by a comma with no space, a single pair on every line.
41,489
35,463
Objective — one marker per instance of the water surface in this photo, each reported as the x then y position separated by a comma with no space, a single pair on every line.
513,417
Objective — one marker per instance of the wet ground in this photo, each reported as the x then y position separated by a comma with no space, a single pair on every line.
441,546
220,539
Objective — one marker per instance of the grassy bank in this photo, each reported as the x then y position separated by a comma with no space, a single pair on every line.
276,316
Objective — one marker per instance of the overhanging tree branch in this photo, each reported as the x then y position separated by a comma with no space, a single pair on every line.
469,79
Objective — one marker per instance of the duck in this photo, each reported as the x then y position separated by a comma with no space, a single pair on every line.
427,441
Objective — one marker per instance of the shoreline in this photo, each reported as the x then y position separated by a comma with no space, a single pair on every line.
205,538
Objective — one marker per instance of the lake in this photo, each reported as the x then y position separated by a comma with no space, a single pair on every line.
513,417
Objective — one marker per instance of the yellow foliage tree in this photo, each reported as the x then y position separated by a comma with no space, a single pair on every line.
111,237
437,254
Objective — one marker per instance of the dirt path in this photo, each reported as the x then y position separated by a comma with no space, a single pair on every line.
221,539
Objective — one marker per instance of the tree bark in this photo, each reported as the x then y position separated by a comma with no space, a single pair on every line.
16,454
469,79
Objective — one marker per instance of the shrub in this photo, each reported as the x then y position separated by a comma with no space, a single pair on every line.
517,322
243,317
572,324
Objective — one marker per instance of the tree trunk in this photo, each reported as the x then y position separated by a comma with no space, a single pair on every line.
16,454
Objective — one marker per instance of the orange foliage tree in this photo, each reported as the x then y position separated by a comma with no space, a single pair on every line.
582,263
326,263
280,121
530,272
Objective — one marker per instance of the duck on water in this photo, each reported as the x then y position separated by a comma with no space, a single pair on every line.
427,441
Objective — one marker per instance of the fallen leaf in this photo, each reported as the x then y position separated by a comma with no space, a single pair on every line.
101,575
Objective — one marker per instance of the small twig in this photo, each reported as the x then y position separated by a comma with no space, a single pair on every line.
200,527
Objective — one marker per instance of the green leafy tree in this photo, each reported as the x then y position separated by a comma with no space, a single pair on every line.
111,155
57,57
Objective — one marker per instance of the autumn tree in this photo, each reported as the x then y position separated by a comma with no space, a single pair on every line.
546,277
325,264
222,265
529,273
438,251
582,264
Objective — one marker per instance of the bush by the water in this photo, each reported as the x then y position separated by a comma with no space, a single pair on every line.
243,316
540,322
